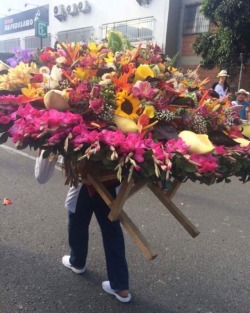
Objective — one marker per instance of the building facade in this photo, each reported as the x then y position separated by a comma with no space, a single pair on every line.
172,24
138,20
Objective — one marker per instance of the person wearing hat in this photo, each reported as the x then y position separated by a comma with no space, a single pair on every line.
241,101
221,87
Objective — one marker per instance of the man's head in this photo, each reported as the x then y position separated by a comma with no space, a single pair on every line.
241,95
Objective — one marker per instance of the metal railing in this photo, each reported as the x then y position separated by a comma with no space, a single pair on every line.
134,30
76,35
9,45
32,42
194,21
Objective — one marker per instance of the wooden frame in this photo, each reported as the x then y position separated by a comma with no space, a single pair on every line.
127,189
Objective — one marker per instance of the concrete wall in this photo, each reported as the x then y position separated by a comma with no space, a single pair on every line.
173,27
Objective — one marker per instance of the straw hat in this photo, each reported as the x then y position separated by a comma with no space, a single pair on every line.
222,73
242,91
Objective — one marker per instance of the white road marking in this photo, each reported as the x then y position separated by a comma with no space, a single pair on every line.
18,152
23,154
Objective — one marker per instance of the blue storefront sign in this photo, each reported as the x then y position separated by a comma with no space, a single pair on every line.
24,20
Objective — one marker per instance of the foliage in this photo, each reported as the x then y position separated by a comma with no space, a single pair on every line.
228,35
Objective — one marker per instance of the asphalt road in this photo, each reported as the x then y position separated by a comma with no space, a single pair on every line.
208,274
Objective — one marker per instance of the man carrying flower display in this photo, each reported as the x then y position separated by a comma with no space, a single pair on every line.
81,203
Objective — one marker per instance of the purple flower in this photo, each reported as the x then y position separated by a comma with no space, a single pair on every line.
20,56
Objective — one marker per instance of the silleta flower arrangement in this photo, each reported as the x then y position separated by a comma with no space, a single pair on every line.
124,108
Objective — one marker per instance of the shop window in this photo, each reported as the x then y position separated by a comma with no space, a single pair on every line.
194,20
9,45
33,43
133,30
76,35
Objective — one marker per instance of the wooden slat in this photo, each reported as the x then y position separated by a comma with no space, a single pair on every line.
182,219
131,228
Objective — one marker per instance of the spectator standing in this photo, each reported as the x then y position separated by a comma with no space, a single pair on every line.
221,87
241,100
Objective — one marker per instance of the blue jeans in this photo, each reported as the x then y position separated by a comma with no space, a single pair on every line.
112,235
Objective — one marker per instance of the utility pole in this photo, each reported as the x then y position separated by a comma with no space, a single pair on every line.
241,69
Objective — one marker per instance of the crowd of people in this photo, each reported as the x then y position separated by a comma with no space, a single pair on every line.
221,88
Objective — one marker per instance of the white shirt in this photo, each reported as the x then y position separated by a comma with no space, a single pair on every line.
221,92
44,169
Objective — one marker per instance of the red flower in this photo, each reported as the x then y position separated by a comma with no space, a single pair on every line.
38,78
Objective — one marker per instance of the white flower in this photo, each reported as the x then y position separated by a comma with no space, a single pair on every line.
44,70
56,73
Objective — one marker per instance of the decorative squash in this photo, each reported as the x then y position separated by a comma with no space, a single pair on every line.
199,143
54,99
125,124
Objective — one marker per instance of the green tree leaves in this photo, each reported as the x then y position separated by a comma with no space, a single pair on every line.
229,34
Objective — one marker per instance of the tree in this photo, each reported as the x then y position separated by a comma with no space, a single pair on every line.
228,35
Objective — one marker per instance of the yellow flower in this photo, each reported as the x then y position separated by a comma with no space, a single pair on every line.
32,92
173,69
18,77
110,57
94,48
150,111
127,105
81,73
142,72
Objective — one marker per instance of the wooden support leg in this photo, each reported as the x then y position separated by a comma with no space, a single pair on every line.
170,193
117,205
131,228
137,187
183,220
137,236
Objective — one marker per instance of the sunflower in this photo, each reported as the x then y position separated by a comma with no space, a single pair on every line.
127,105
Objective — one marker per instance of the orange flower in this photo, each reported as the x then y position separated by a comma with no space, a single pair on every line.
122,81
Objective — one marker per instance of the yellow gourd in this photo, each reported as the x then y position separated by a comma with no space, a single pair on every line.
245,129
242,142
199,143
125,124
54,99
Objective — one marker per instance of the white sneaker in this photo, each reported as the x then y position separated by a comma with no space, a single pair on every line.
106,287
66,263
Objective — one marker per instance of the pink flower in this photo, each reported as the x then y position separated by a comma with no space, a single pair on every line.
96,105
112,138
93,136
17,130
95,91
138,155
220,150
144,90
4,119
207,163
158,152
177,145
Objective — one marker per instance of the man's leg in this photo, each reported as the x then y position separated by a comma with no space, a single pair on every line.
78,228
114,246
